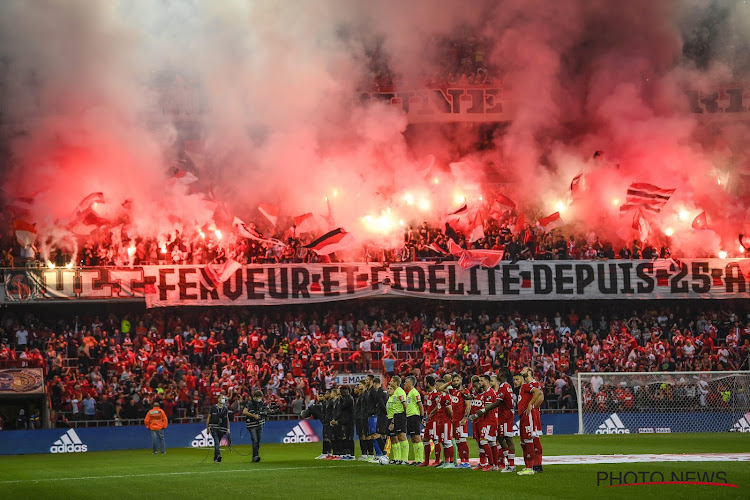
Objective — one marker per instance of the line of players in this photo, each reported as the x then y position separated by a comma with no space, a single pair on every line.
441,415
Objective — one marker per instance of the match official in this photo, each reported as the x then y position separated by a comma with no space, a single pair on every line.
156,421
414,414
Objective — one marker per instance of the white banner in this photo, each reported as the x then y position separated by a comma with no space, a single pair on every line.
163,286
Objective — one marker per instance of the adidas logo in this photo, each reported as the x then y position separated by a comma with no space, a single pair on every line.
613,425
742,425
300,434
516,430
68,443
202,440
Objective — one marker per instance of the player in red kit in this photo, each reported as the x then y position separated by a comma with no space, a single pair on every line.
487,419
460,403
443,414
504,405
430,429
530,397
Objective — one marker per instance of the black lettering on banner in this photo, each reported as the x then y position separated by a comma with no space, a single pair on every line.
584,277
396,272
647,281
627,287
612,275
327,283
456,95
539,287
163,287
417,272
282,291
735,101
453,287
236,293
491,287
492,102
473,285
561,280
734,277
301,282
700,274
676,283
477,101
374,276
207,292
433,280
349,271
185,285
508,280
252,285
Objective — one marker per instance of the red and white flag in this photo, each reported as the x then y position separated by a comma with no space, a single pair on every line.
745,241
551,222
249,231
520,223
305,223
641,225
211,277
333,241
462,210
501,205
89,202
471,258
646,196
25,233
477,229
184,177
700,222
270,212
435,248
576,183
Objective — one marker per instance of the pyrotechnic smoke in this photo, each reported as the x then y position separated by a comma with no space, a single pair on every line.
270,90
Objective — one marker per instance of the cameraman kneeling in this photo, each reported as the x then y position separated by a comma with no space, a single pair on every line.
255,413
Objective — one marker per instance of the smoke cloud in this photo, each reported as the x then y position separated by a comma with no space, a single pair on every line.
265,98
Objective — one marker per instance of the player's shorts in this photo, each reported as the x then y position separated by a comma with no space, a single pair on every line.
430,431
336,432
399,423
487,432
460,431
361,428
475,425
382,427
372,424
505,427
526,427
445,432
537,422
413,425
327,432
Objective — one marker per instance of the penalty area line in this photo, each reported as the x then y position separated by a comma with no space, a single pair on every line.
158,474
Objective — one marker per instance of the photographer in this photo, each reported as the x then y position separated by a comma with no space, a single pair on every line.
217,423
255,412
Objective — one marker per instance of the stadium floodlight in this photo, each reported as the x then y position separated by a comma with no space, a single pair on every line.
661,402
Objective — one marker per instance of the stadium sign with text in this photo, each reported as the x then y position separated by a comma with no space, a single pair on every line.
162,286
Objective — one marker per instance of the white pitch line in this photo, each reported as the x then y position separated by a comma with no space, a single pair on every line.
184,473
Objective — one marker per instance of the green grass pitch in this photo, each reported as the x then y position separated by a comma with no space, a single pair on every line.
289,471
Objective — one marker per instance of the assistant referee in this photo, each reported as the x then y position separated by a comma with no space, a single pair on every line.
414,414
397,427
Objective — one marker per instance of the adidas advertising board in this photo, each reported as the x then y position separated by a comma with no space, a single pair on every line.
742,425
68,443
301,433
202,440
612,425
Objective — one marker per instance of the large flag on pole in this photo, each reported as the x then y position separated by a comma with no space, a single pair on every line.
646,196
25,233
551,222
249,231
335,240
270,212
305,223
477,230
501,205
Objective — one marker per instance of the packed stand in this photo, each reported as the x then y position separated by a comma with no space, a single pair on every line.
114,368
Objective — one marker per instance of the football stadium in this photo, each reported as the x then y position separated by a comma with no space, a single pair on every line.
345,249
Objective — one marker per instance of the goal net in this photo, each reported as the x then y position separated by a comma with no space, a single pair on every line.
652,402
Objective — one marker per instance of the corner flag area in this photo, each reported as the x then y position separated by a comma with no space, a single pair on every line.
647,465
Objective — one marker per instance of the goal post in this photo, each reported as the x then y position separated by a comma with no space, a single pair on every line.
655,402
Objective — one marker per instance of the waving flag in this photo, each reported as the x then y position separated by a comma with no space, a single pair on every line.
333,241
646,196
329,218
250,232
211,278
88,202
25,233
575,184
471,258
520,223
641,225
700,222
745,241
270,212
477,230
501,205
435,248
305,223
551,222
462,210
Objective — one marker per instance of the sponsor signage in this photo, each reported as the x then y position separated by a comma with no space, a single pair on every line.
162,286
69,442
352,378
663,422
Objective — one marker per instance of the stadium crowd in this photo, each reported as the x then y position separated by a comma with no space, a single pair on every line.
114,367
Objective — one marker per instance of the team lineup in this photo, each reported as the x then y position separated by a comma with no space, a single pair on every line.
441,415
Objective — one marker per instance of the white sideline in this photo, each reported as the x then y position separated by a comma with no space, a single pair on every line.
550,460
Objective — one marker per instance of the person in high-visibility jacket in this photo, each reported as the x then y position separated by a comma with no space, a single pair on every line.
156,421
